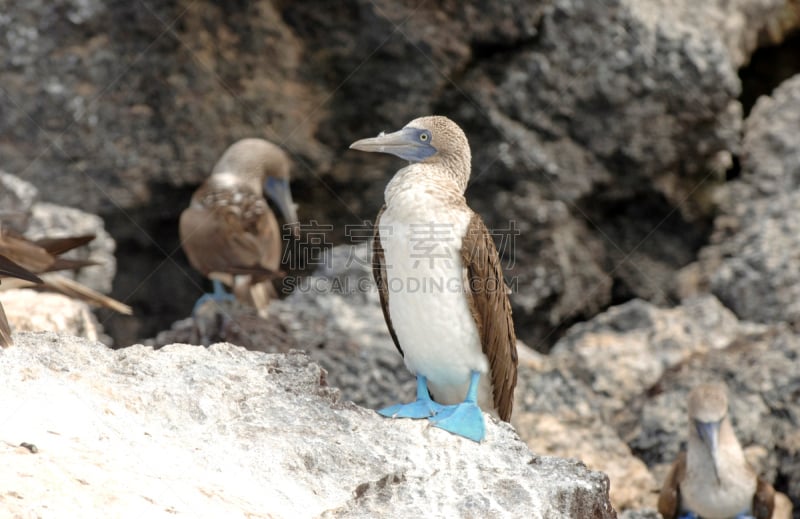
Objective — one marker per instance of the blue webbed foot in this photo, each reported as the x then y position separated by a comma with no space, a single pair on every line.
744,515
464,419
424,407
688,515
418,409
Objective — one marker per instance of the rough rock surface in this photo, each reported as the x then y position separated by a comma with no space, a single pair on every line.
621,353
751,262
16,199
770,155
555,414
32,311
204,432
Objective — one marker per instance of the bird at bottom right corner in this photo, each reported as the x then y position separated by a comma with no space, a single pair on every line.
712,479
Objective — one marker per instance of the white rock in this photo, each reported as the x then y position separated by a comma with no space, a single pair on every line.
187,431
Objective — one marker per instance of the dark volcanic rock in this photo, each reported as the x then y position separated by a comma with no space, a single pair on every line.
751,264
105,100
16,200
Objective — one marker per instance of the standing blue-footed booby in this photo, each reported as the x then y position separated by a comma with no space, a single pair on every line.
229,232
440,282
712,479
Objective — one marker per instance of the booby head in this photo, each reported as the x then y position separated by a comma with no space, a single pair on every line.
708,408
433,139
261,165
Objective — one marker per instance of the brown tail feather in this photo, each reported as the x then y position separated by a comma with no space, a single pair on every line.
70,264
74,289
56,246
10,269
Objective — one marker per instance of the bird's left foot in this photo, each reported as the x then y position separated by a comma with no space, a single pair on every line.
744,515
464,419
688,515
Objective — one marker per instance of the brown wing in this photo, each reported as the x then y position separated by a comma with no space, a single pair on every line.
669,501
56,246
763,500
488,300
379,273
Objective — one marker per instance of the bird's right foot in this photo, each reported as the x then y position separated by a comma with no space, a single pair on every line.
422,408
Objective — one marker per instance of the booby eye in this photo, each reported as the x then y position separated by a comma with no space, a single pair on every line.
423,137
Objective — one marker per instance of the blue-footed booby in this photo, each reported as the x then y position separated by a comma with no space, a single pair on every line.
712,479
10,269
441,283
229,232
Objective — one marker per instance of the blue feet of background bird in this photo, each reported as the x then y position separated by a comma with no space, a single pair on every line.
218,295
464,419
423,407
691,515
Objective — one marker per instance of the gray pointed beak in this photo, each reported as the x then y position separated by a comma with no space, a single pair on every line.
384,143
405,143
279,192
709,434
